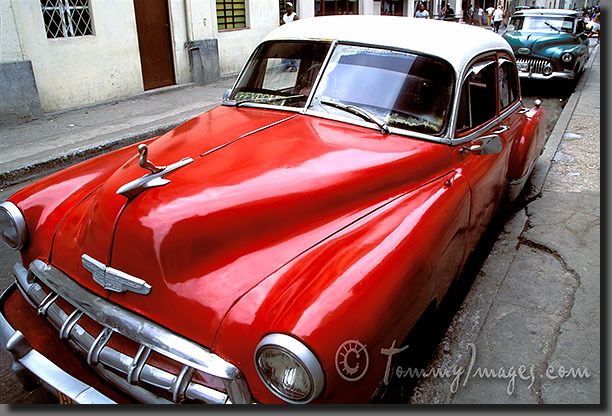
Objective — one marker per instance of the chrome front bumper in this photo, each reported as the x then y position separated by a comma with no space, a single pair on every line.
137,377
53,378
555,75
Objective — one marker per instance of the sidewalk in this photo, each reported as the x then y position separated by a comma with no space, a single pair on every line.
57,139
536,300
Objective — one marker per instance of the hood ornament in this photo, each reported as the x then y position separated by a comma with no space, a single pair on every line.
151,180
144,162
113,279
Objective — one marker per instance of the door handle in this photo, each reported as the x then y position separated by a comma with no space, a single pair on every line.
501,129
523,110
487,145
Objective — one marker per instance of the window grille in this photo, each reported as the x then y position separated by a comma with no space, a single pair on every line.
66,18
231,14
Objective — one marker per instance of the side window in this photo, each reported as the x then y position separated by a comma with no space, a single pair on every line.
508,83
478,104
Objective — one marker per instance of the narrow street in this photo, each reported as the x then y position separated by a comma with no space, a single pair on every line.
553,96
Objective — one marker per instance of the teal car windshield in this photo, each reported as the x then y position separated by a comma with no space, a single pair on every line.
542,24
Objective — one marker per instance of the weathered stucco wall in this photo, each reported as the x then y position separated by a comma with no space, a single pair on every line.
86,69
235,46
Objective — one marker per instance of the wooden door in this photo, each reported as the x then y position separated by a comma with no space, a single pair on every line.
154,43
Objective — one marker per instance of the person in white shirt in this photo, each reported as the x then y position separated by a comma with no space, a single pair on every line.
290,16
480,17
498,16
422,13
490,11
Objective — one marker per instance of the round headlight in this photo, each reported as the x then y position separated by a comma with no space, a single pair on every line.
567,57
289,369
13,230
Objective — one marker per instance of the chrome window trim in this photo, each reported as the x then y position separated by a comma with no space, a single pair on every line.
17,216
476,134
301,353
443,138
492,53
282,107
504,114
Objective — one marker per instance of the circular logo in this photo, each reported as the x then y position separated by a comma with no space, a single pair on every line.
352,360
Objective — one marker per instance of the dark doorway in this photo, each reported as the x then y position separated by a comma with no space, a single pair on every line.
154,43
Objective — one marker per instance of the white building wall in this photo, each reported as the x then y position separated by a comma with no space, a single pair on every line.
80,70
235,46
10,46
178,29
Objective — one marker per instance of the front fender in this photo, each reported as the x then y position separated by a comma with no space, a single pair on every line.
45,203
369,282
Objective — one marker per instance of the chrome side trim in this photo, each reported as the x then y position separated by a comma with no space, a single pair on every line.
40,366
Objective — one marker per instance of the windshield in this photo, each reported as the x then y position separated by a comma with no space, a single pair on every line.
400,89
281,73
542,23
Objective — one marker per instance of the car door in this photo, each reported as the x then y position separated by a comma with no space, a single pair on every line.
482,143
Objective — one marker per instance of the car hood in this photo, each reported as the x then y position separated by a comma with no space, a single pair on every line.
264,187
537,42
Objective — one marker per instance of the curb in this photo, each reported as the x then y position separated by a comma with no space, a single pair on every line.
544,163
25,173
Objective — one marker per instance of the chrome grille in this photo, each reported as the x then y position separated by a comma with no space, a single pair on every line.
68,306
534,65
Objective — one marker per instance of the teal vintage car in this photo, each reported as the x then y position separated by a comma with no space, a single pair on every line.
548,43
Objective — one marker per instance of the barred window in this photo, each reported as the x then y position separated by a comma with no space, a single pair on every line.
66,18
231,14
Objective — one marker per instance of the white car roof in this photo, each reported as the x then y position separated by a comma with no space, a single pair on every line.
456,43
546,12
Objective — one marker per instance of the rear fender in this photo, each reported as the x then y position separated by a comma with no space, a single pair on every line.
528,147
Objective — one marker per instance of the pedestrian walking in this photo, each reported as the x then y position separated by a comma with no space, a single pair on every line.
479,20
422,12
490,11
498,17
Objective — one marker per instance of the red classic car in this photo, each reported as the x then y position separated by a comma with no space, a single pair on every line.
272,249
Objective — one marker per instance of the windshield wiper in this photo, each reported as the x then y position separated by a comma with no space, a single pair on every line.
268,100
359,112
554,27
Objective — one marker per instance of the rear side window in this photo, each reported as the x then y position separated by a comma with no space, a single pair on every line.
478,96
508,83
